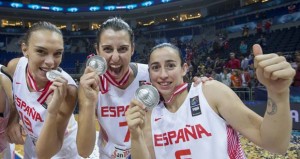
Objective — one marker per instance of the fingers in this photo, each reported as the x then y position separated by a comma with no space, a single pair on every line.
19,139
136,102
59,84
273,66
90,78
14,134
89,69
198,80
271,71
135,115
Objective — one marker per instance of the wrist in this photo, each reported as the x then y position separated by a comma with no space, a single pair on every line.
279,97
52,115
87,104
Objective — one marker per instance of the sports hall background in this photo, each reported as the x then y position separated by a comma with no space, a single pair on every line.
207,32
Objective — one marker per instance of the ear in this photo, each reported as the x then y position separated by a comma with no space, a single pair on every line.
132,51
97,49
24,49
185,68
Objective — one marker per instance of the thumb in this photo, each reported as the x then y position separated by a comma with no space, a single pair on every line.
88,69
257,50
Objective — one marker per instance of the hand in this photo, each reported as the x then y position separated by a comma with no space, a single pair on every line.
273,71
60,88
135,117
198,80
89,86
14,133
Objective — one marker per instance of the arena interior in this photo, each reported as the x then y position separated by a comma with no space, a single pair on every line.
208,32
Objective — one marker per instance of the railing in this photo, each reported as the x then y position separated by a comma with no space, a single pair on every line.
245,93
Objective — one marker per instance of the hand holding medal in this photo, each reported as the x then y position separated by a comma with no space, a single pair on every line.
148,95
98,63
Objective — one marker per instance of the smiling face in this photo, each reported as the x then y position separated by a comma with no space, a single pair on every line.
44,50
166,70
116,47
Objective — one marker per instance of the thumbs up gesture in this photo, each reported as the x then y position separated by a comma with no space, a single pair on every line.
273,71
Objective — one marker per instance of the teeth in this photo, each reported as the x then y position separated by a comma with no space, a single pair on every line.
165,83
115,66
46,70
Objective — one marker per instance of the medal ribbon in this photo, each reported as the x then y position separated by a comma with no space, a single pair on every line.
179,89
45,91
107,78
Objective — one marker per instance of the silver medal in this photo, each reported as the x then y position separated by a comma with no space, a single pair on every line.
52,74
148,95
98,63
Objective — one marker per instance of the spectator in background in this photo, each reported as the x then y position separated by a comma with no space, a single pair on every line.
296,60
233,63
216,46
246,78
262,41
189,54
292,8
296,81
209,63
215,75
225,77
267,26
244,63
245,32
218,65
243,47
259,28
236,80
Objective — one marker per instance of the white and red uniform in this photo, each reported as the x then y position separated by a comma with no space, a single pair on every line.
33,115
114,138
194,131
6,151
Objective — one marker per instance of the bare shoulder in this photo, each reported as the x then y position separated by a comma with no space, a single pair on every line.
11,66
215,92
215,88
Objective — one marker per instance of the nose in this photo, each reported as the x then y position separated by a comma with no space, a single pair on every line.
49,61
115,57
164,73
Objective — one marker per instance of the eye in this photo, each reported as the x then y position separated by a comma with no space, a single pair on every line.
123,49
58,54
170,66
41,52
155,67
107,49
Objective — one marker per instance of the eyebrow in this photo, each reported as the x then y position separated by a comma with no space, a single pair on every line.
167,61
107,45
43,48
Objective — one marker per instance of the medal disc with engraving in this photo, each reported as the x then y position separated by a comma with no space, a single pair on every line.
98,63
51,75
148,95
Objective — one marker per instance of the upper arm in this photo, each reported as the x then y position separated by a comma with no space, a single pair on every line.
228,105
11,66
7,87
66,109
